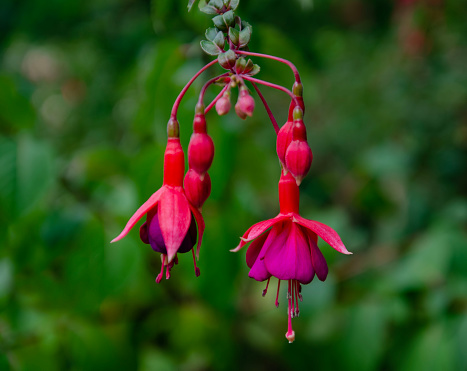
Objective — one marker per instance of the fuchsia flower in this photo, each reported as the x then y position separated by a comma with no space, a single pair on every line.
172,223
286,247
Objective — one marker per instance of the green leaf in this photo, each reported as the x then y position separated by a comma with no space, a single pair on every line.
219,40
219,4
234,4
211,33
208,9
219,23
209,47
190,4
227,59
229,18
249,66
234,35
240,65
255,70
245,36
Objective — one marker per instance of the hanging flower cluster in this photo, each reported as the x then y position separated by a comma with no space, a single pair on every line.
284,247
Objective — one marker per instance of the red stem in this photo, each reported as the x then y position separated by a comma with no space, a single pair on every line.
274,86
208,108
285,61
205,87
173,115
271,116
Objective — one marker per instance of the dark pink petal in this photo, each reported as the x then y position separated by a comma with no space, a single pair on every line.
289,257
144,208
258,270
200,223
174,219
326,233
254,249
319,263
256,229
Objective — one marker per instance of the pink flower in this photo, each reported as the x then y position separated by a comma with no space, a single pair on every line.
171,220
286,247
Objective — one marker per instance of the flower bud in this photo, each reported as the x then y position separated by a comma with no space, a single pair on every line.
223,104
201,147
284,137
245,103
298,156
197,187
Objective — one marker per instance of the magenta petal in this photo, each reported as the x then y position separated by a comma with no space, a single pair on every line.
254,249
319,263
200,223
326,233
144,208
289,257
174,219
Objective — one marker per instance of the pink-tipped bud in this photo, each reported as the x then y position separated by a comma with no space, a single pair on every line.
201,147
284,138
197,187
245,103
223,104
298,156
200,152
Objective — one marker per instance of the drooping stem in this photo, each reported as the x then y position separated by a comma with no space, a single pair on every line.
212,104
285,61
173,114
274,86
205,87
268,110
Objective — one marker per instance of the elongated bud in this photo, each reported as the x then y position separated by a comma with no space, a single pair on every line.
284,138
174,163
223,104
245,103
298,156
201,147
197,187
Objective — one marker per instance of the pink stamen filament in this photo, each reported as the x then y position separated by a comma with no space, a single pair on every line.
289,326
197,271
159,276
282,60
213,103
266,289
266,106
274,86
173,115
277,295
297,311
292,294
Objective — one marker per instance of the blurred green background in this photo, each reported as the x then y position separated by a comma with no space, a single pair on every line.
86,89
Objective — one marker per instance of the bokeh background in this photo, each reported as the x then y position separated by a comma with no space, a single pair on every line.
86,88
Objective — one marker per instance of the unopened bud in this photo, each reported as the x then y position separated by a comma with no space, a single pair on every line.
284,137
200,152
223,104
298,156
245,104
197,187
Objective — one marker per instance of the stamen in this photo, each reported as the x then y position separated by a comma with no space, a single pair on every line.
159,276
266,289
290,335
299,292
197,271
292,296
297,311
167,271
277,295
